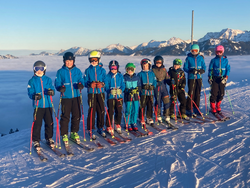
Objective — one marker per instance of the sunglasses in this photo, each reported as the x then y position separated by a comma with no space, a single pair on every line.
113,68
38,68
94,60
219,52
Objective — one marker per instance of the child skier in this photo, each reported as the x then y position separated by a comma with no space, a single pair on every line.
114,86
131,96
160,91
195,66
94,81
69,81
40,89
218,73
177,82
148,82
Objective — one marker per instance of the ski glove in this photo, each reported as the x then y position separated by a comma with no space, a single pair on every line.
151,87
100,84
145,86
116,91
50,92
210,81
92,84
134,91
37,96
80,86
224,81
62,89
195,71
201,71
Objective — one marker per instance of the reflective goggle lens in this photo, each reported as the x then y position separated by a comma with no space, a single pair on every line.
158,62
195,51
39,68
113,68
130,69
94,60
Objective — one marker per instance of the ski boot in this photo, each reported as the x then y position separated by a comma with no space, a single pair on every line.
101,132
159,118
196,111
92,134
172,116
65,140
212,106
110,130
190,113
150,121
36,145
218,108
50,143
74,136
134,127
130,128
118,129
184,116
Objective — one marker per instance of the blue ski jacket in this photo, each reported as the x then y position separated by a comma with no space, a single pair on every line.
194,62
114,81
94,74
40,85
219,67
69,78
132,82
147,77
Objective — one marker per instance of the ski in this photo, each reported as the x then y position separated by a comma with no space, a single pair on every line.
157,128
111,142
41,156
225,118
98,145
169,125
68,149
116,138
206,119
142,134
135,134
56,151
125,137
85,147
218,117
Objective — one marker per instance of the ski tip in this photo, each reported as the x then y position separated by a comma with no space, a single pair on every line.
163,131
150,133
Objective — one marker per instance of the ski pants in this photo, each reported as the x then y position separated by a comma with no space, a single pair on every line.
182,99
217,90
96,106
146,101
70,106
46,115
114,106
194,91
161,95
131,113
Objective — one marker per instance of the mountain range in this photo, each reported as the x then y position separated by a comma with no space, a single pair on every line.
236,42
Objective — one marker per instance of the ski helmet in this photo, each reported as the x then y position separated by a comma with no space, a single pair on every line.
219,48
114,64
158,58
130,66
39,65
195,49
68,56
95,54
177,62
145,61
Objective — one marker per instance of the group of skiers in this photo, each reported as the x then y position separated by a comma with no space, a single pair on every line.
142,93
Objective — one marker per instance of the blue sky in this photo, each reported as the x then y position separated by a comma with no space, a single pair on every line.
60,24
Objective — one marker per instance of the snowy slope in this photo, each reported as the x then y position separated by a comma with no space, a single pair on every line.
209,155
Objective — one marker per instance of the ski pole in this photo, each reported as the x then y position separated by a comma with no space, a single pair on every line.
31,133
83,124
230,101
57,123
174,103
129,112
204,96
57,127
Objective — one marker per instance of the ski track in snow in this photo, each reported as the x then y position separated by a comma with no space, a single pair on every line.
200,156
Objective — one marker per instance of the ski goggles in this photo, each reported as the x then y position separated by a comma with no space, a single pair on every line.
219,52
38,68
130,69
145,61
158,62
194,51
113,67
93,60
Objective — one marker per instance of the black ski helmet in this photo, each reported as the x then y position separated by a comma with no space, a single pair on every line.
114,63
157,58
146,60
39,63
68,56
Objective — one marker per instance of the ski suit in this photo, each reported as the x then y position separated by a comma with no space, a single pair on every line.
160,91
194,80
148,82
44,109
96,96
69,77
131,100
177,89
114,102
218,69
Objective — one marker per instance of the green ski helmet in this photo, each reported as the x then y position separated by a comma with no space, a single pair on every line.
177,62
130,66
95,54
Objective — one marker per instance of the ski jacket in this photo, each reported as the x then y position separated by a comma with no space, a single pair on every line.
194,62
69,78
94,74
161,74
132,82
114,81
219,67
40,85
147,77
179,79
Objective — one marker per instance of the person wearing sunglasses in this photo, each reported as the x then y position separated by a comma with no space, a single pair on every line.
114,86
194,66
69,81
218,73
94,82
40,89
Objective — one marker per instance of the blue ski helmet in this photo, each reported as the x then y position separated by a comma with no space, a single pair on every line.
114,63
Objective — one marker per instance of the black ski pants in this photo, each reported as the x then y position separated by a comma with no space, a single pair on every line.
217,90
146,103
182,99
70,106
114,106
96,106
46,115
194,91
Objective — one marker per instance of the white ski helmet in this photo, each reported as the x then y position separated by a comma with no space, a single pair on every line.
95,54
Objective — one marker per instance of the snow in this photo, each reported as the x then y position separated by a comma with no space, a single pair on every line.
208,155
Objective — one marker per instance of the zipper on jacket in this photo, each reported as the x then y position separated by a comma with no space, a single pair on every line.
71,84
42,92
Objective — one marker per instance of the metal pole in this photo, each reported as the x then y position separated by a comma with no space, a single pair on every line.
192,29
